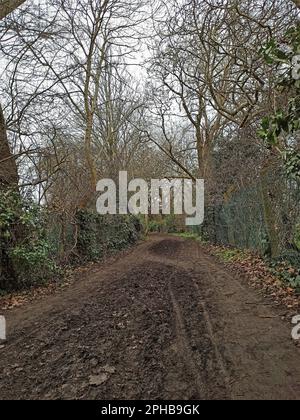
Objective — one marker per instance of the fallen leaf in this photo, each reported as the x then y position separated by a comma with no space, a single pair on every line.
97,380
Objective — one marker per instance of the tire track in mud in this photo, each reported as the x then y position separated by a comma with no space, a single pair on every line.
218,354
185,350
163,249
252,346
166,322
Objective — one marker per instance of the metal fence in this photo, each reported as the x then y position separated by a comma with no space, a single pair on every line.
263,216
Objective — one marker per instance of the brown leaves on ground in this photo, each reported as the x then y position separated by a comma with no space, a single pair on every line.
15,299
68,277
259,275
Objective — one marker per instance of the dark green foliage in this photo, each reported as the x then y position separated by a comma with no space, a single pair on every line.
287,268
155,226
25,254
31,241
98,235
296,237
291,257
166,224
285,123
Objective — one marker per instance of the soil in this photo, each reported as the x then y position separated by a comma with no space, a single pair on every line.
164,321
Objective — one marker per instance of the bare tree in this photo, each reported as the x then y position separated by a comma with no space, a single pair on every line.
8,168
207,63
65,54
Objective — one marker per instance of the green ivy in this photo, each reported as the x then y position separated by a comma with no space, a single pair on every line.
25,252
33,262
284,123
297,236
98,234
29,252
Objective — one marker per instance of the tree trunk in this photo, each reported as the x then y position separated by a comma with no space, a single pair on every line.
8,168
8,180
269,214
199,143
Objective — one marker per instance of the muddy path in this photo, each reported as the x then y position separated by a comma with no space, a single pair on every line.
166,321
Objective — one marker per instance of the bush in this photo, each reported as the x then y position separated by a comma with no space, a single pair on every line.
25,254
297,236
155,226
33,262
100,234
29,240
291,257
168,224
287,268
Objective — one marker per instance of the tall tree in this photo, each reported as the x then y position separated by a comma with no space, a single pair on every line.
8,167
66,58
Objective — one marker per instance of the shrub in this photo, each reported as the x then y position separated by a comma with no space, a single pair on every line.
100,234
297,236
29,240
25,254
155,226
33,262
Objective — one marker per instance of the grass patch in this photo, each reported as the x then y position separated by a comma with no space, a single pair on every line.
186,235
190,235
231,255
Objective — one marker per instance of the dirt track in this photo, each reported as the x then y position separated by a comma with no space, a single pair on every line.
164,322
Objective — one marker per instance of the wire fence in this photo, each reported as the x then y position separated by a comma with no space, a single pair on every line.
264,217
